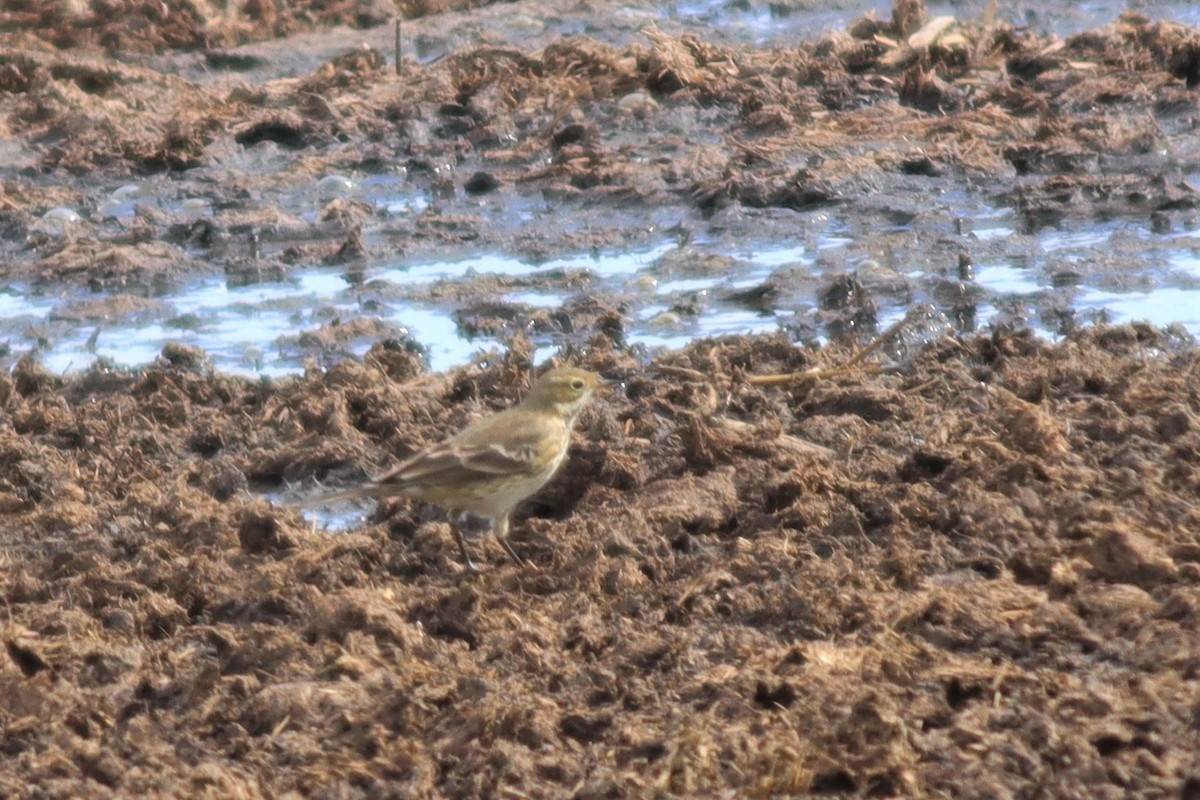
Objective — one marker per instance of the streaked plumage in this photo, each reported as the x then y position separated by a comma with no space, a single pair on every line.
494,463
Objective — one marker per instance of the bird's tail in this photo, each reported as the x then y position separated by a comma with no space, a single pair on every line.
357,493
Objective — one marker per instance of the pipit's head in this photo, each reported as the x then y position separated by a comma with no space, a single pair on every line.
564,391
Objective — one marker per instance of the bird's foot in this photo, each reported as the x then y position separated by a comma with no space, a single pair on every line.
470,570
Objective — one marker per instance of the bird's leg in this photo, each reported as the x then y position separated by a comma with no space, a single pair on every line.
513,553
468,564
500,529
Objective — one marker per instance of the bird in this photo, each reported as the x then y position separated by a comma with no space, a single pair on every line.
494,463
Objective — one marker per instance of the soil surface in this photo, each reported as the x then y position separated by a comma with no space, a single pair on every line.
976,575
962,566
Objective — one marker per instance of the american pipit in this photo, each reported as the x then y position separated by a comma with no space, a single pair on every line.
494,463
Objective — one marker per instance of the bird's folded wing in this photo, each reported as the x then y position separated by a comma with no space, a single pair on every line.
510,458
460,462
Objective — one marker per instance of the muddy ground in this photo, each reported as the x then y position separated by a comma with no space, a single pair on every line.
987,586
882,122
969,569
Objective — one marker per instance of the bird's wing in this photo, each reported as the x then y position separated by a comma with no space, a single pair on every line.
468,458
510,458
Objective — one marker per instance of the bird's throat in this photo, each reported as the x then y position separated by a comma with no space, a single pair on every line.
568,411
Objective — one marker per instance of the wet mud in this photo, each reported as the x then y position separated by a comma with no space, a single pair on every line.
879,122
886,155
966,565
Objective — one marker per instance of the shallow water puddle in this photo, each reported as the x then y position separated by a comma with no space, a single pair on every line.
1114,272
669,293
671,336
603,264
247,328
1007,279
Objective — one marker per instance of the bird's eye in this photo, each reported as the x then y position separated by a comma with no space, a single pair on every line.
577,384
